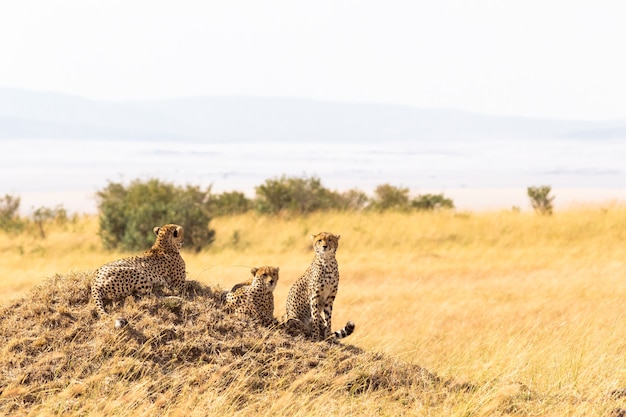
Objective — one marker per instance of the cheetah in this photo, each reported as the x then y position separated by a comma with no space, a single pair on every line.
315,291
255,298
161,264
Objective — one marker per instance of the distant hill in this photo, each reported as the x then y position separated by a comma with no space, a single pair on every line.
31,114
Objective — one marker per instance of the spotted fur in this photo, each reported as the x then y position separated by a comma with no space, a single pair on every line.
255,298
315,291
161,264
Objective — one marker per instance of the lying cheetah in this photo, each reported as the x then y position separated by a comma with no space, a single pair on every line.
161,264
315,292
255,298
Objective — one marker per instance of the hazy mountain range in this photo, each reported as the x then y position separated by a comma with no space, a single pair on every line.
57,150
31,114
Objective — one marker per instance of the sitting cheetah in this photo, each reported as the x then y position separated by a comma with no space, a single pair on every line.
315,292
161,264
255,298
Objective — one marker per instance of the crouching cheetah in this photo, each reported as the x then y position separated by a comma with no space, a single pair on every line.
314,292
161,264
255,298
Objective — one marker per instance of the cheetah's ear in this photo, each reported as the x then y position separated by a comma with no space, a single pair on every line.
277,269
156,230
253,270
338,236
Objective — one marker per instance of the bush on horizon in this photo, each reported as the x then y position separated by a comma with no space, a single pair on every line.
299,195
9,207
540,199
303,195
432,202
128,214
10,221
296,195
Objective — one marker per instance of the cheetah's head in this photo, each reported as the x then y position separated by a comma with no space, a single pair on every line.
169,236
267,274
325,244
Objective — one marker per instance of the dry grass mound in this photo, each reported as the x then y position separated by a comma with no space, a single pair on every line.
176,357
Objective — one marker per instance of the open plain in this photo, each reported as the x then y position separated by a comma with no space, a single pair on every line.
457,313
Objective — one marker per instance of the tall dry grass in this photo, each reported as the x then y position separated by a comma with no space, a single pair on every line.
529,309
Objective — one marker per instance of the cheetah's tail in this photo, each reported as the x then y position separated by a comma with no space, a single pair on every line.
347,330
120,322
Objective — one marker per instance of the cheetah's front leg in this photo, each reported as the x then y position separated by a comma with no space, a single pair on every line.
316,320
328,313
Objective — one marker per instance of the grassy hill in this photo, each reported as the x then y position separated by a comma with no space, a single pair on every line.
175,358
464,314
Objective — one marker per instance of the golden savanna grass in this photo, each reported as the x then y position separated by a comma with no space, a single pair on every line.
465,314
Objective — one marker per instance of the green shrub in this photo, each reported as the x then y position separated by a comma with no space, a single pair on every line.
294,194
352,199
45,214
389,197
128,214
9,208
432,202
540,199
233,202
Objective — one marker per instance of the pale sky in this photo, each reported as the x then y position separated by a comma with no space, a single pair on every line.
556,59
